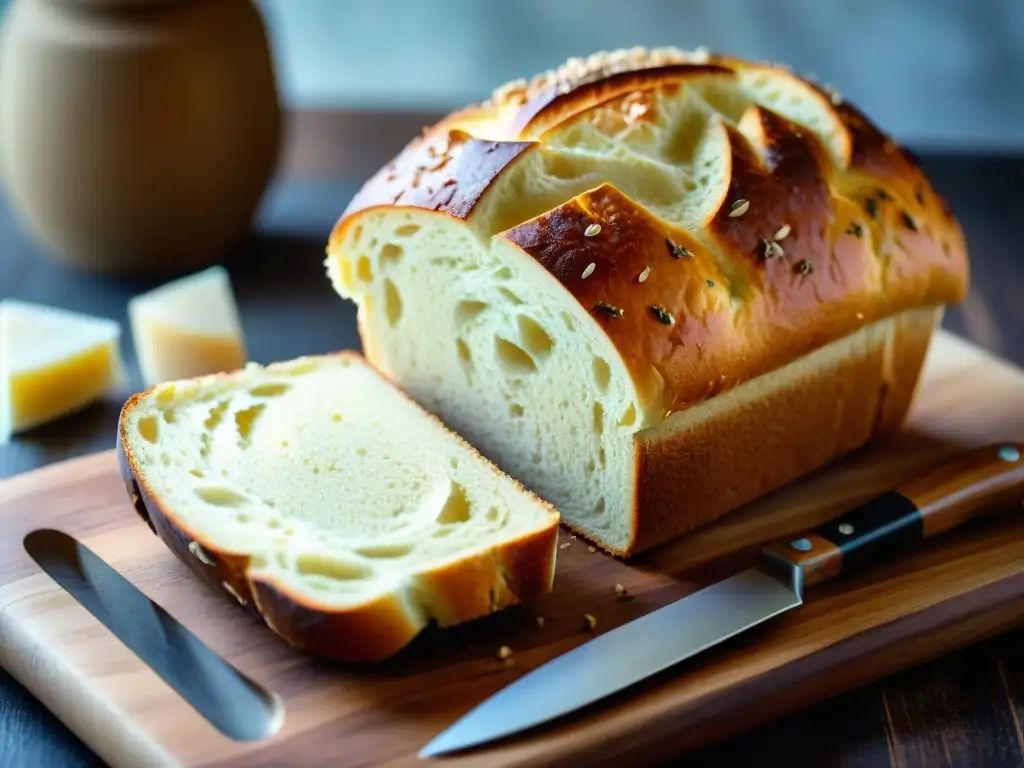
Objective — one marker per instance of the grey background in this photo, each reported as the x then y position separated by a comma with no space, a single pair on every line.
933,72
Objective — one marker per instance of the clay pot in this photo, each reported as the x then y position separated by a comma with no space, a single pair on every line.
137,136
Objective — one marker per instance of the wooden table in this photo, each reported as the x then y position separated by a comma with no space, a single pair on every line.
965,709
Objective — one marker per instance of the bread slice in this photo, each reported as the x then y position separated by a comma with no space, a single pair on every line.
320,497
653,285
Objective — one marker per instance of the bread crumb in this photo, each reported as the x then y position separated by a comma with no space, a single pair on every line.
591,548
234,593
564,545
589,621
504,653
199,553
621,592
540,622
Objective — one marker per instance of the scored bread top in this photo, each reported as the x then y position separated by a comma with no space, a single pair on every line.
719,217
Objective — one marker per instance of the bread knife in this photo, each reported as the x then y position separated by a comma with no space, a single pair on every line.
232,702
977,482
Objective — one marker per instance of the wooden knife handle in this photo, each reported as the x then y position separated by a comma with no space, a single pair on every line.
983,480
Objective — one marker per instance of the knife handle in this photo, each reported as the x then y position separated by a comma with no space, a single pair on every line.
983,480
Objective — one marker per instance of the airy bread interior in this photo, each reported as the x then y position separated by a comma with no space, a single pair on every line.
675,162
487,338
479,332
340,488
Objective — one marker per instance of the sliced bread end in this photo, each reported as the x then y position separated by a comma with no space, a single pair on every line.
330,505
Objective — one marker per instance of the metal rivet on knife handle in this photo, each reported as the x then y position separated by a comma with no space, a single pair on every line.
816,557
985,479
981,480
1009,453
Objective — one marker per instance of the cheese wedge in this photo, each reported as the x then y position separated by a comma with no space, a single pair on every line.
187,327
53,362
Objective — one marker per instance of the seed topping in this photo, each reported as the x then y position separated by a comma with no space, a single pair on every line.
589,270
772,249
592,231
644,275
662,314
739,207
610,310
781,232
678,251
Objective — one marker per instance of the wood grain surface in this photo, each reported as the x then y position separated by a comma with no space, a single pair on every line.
953,591
288,309
974,483
957,491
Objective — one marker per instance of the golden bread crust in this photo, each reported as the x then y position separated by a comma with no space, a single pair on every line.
800,251
725,222
465,589
577,72
548,108
695,471
445,171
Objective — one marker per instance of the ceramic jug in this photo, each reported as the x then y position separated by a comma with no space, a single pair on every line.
137,137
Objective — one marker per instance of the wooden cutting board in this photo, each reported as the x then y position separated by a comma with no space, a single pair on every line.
951,592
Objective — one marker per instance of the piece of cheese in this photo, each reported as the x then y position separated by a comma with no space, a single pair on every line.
187,327
53,362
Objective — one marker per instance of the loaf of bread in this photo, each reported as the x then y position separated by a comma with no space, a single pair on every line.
653,285
330,505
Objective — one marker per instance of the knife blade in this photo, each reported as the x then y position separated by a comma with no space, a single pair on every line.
977,482
232,702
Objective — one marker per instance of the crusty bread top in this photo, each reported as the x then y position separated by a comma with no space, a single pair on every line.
746,215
